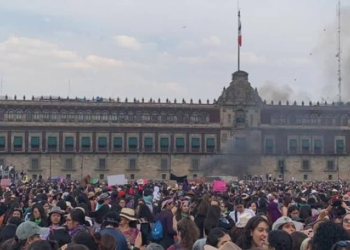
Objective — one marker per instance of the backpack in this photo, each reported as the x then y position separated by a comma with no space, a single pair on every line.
157,231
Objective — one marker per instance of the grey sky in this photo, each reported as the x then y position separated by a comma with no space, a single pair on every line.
170,49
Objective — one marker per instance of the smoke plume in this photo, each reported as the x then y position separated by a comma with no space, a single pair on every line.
236,160
326,55
271,91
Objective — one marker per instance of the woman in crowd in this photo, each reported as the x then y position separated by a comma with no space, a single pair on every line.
182,211
56,218
217,237
38,215
293,212
287,224
346,222
75,222
297,240
200,216
187,234
279,240
254,233
127,225
328,233
166,218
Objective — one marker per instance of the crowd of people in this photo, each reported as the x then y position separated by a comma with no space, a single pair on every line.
272,215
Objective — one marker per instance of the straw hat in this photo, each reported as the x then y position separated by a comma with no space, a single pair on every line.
128,213
90,195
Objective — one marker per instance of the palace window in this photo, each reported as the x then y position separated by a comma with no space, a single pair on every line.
180,144
69,143
269,146
132,141
317,146
85,143
340,145
164,144
102,143
35,143
118,143
148,144
210,145
293,146
305,144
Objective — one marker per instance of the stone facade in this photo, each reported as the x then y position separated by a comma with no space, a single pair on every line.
238,134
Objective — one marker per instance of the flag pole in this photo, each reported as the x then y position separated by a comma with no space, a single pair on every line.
239,38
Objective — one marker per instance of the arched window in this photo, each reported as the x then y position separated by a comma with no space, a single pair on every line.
138,116
53,115
19,115
186,118
163,117
46,115
114,116
195,118
322,120
63,116
130,116
97,116
344,120
306,120
29,116
146,117
80,116
71,115
170,117
329,120
154,117
10,115
179,117
122,116
36,115
87,116
105,116
207,118
313,120
203,118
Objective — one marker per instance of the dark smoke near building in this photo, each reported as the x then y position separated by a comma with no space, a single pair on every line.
235,160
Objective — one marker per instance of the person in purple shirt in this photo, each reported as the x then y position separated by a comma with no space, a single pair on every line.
166,218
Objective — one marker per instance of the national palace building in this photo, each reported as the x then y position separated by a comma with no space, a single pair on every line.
153,138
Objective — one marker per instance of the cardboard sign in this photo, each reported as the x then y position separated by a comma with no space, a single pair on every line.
219,186
116,180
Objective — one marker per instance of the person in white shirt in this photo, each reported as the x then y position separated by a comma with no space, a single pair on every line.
240,210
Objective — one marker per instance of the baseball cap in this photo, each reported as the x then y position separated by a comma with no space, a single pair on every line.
28,229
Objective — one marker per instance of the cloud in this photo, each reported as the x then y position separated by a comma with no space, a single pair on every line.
192,60
212,41
108,62
35,51
127,42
